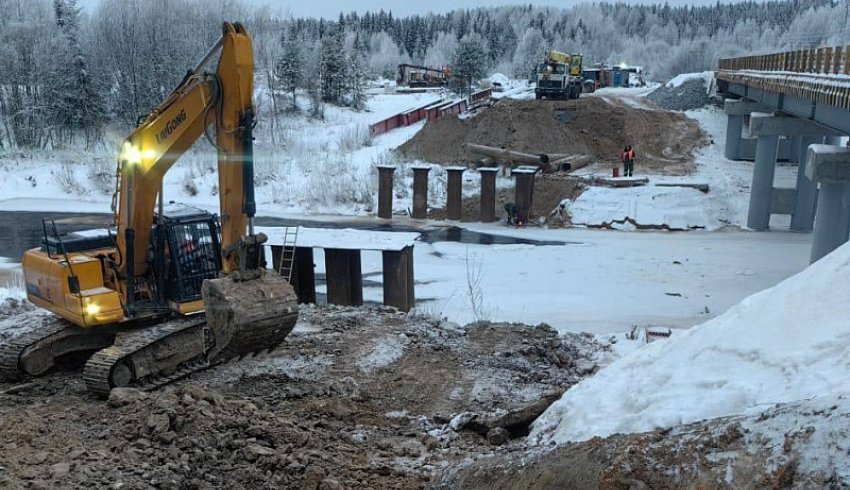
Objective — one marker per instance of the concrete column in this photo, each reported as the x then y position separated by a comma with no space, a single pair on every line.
803,216
833,219
420,192
737,147
398,278
454,192
385,191
344,277
523,193
797,152
762,186
734,127
829,166
488,194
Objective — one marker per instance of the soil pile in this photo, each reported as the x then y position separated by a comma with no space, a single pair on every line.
689,94
355,398
796,445
663,141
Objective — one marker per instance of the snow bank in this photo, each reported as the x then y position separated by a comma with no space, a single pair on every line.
678,80
786,343
678,208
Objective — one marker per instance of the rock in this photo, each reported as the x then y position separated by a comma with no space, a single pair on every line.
158,423
498,436
76,454
60,470
120,397
260,450
39,457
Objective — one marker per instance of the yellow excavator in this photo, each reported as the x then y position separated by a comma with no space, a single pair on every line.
174,289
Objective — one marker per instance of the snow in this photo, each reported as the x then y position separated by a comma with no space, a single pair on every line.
786,343
679,208
677,81
345,238
597,281
387,351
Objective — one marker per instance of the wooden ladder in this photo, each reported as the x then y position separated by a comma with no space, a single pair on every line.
287,255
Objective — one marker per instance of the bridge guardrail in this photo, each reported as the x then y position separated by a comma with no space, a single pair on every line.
826,60
819,74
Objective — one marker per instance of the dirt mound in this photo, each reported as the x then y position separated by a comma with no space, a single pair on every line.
777,448
355,398
663,141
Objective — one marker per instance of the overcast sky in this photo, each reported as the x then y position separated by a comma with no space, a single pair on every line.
331,8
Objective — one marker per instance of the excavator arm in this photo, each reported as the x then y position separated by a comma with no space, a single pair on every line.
223,98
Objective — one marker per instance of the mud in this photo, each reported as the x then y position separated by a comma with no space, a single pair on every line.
354,398
664,142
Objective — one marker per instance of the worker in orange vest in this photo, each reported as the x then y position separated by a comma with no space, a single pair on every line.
628,161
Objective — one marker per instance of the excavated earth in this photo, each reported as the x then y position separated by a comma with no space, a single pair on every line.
354,398
664,141
373,398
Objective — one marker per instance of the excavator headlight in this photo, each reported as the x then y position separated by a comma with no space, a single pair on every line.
130,154
92,309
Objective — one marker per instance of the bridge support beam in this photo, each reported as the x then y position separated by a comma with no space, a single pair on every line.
829,166
761,190
803,217
736,109
764,198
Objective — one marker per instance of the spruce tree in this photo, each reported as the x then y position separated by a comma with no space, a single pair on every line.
469,62
290,68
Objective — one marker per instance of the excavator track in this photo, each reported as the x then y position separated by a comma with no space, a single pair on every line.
37,350
115,366
121,363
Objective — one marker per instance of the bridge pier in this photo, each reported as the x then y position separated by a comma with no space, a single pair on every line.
736,109
766,199
803,217
829,166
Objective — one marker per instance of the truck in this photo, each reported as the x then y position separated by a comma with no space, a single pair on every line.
559,76
415,76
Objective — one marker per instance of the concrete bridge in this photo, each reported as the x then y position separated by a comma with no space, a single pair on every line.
793,106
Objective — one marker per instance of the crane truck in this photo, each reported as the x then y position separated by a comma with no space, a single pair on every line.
559,76
174,289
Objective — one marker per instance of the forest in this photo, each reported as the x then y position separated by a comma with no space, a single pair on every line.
67,75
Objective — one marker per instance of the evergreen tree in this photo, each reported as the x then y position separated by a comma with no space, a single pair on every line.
290,68
469,62
78,105
357,76
333,68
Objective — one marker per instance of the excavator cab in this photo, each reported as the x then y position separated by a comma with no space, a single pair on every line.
192,245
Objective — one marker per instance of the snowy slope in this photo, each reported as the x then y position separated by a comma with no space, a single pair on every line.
786,343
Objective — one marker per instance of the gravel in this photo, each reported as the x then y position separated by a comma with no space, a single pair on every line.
691,94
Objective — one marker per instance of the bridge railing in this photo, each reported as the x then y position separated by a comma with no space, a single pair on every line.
826,60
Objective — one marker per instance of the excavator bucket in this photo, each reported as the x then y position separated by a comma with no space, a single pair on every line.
246,317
